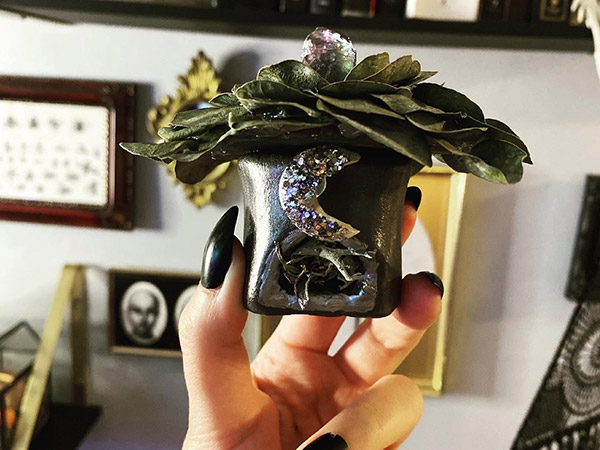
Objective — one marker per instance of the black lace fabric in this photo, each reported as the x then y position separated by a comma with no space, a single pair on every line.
565,415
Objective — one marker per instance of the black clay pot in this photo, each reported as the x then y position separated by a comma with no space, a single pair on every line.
368,195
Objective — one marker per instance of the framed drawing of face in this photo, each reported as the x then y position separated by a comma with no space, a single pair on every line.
144,310
143,313
59,155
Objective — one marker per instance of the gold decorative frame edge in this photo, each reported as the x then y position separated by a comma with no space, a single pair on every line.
458,181
200,83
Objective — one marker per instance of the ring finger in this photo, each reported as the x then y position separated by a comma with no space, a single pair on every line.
378,346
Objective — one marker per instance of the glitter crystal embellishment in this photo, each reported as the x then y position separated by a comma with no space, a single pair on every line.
303,181
330,53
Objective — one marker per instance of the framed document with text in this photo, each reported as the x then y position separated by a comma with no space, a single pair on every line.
59,156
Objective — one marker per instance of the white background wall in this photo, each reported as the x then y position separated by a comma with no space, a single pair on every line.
516,242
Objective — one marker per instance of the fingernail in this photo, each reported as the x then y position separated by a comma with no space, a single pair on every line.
436,281
414,195
328,442
218,250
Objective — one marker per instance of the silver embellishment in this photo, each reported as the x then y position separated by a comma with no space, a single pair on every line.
303,181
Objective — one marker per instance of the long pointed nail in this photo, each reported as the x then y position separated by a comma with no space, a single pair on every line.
218,250
328,442
414,195
436,281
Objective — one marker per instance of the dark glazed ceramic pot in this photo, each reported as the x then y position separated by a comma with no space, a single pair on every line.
368,195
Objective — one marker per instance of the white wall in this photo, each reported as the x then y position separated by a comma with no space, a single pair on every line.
513,258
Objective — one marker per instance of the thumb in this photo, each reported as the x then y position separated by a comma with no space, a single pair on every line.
222,396
381,417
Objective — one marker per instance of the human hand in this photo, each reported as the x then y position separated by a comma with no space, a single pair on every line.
294,395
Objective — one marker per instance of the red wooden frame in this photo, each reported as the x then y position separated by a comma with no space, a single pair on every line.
119,98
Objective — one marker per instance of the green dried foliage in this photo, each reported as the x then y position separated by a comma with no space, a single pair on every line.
380,104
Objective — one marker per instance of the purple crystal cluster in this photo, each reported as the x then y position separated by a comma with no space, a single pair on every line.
299,187
330,53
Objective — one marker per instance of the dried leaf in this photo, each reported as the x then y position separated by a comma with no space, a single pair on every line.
205,117
161,151
359,105
271,90
356,88
224,99
369,66
294,74
447,100
501,131
403,68
395,134
497,161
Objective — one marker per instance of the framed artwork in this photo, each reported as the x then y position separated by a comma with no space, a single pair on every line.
431,247
59,156
455,10
584,275
144,310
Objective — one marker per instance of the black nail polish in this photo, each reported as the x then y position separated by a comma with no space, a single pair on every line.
414,195
328,442
218,250
435,280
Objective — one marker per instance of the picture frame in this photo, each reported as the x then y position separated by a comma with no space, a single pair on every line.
442,10
144,310
60,161
440,213
431,247
584,275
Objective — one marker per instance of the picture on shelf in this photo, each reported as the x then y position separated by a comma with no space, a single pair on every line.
143,313
54,153
144,310
456,10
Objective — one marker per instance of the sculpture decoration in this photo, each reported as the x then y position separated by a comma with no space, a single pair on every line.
364,129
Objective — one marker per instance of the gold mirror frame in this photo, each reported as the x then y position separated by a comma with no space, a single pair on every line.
199,85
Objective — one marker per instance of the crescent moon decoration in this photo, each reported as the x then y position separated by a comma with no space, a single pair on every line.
303,181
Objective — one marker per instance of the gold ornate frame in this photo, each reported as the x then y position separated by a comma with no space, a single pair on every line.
440,213
197,86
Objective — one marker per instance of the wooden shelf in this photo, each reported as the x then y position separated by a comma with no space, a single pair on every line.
545,36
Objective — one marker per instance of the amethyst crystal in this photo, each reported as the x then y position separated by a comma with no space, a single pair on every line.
330,53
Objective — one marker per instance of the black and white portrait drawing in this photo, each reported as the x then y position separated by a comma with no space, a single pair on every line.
143,313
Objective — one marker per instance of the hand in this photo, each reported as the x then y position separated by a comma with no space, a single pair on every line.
294,393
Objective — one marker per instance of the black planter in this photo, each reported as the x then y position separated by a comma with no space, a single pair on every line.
368,195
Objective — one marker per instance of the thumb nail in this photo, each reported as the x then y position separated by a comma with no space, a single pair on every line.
218,250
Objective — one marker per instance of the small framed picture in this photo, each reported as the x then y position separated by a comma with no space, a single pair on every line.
144,310
443,10
59,156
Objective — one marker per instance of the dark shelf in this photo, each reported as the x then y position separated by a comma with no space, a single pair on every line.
67,427
548,36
